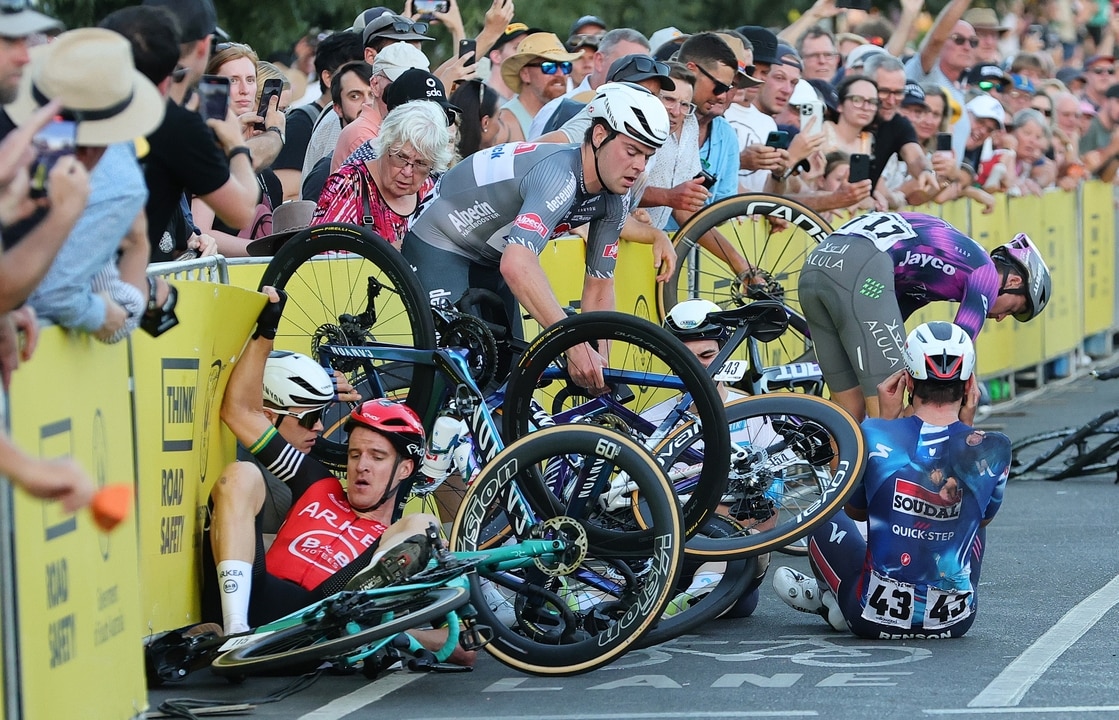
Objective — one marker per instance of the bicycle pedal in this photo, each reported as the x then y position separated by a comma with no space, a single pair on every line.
475,637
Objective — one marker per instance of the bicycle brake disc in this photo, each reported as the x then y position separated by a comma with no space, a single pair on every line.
575,542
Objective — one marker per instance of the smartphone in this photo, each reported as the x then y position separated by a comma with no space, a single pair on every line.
943,141
213,97
853,4
778,139
428,8
57,139
709,180
810,111
468,46
272,88
860,168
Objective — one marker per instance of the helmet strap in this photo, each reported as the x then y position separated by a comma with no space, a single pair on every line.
390,491
1004,290
594,151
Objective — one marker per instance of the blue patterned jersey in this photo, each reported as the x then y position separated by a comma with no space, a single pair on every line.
932,261
926,491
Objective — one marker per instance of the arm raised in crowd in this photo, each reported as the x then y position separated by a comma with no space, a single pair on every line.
235,201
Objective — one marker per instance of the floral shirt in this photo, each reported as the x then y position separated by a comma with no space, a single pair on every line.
341,201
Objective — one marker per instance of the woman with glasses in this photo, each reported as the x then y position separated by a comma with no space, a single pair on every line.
858,104
414,145
239,63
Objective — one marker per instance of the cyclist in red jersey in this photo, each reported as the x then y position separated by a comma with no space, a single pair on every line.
332,538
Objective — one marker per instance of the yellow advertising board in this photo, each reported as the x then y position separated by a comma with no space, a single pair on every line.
77,588
1055,237
181,445
1098,247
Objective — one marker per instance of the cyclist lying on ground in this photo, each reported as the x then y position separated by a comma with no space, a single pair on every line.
332,538
859,285
931,485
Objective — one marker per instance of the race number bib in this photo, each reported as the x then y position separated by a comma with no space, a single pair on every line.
731,371
945,607
889,602
883,229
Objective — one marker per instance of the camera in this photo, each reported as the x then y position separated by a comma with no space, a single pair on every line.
709,180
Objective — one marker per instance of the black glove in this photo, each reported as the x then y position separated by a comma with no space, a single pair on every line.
269,318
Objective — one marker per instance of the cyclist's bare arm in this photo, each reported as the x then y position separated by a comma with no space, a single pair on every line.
242,406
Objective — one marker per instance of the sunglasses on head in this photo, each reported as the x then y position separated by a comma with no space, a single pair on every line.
588,40
549,67
964,40
640,64
720,87
406,25
307,419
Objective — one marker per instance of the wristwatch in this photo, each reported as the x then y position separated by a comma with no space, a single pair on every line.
276,129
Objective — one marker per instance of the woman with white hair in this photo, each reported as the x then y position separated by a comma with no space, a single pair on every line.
1023,168
413,147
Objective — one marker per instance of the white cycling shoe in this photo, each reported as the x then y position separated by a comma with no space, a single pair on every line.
803,593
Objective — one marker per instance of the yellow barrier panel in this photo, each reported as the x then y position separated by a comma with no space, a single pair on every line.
247,275
1028,338
77,589
995,350
181,443
1098,243
1063,326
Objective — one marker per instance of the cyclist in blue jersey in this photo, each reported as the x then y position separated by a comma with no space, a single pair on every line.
858,286
931,485
491,215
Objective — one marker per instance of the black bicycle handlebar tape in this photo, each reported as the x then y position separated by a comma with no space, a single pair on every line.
269,319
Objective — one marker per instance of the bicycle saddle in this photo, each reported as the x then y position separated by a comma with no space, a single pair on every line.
765,320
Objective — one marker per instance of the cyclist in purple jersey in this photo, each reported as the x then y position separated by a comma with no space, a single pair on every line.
859,285
491,216
931,485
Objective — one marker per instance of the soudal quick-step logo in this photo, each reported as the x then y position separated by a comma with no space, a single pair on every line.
912,499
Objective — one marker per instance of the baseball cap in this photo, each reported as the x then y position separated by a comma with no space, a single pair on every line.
764,42
367,16
513,31
1098,58
742,78
417,84
21,21
394,60
1070,74
197,18
986,107
637,67
584,21
660,37
914,95
1022,83
987,73
789,56
861,54
394,27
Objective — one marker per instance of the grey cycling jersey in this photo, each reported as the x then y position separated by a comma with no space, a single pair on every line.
521,194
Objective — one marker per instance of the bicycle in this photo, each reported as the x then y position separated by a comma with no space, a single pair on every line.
516,535
1088,449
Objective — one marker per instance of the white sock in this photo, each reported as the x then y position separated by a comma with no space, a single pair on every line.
235,580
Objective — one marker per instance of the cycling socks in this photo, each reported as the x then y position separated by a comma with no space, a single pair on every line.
235,578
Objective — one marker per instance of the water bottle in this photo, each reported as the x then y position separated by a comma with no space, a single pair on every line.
444,437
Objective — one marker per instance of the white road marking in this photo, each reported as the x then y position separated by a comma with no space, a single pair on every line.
1067,711
367,695
1008,689
646,716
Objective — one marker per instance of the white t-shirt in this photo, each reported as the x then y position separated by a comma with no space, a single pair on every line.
752,127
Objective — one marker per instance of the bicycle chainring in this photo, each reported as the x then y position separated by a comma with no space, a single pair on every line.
457,329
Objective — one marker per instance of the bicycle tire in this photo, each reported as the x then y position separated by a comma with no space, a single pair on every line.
831,424
628,335
721,596
326,271
624,591
334,637
781,254
1068,452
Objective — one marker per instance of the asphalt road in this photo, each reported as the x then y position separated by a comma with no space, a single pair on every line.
1044,643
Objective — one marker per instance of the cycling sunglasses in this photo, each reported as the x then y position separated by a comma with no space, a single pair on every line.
549,67
307,419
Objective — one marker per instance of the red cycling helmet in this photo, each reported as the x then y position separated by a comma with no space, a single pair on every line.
396,421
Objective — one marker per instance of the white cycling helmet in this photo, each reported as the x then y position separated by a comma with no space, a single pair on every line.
631,110
294,380
688,321
1037,285
939,351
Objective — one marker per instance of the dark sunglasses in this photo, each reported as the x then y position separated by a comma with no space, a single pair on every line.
549,67
1103,71
961,40
581,41
307,419
720,88
405,25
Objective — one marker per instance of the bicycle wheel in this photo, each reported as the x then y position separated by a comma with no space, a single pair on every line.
347,286
685,614
779,253
332,634
594,603
1068,452
801,459
652,367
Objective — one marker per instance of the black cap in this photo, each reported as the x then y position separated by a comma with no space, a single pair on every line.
764,42
396,28
988,73
914,95
513,31
416,84
637,67
197,18
788,55
587,20
826,91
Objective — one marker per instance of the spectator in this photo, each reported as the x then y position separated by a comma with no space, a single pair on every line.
537,74
1099,145
985,22
817,51
266,71
858,104
1035,66
392,62
332,53
946,52
751,124
1019,95
1074,79
481,120
987,118
387,29
413,145
1043,103
504,48
1026,169
893,134
350,92
586,45
1100,72
989,79
588,24
675,185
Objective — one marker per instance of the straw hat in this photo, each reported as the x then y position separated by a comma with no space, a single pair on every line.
288,220
90,70
542,46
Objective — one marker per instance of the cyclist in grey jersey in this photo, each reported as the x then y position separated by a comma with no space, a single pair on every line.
492,215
